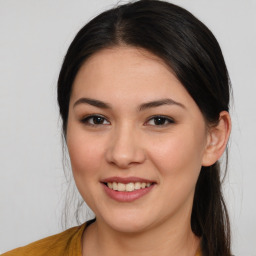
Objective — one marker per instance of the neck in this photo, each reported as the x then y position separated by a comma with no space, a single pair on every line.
166,239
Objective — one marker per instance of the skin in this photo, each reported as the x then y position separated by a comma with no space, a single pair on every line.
129,143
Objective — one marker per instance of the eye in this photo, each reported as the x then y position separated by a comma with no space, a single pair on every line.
95,120
159,121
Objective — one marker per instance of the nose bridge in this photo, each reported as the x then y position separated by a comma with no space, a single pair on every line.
124,147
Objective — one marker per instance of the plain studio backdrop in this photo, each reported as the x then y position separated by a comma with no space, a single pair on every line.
34,36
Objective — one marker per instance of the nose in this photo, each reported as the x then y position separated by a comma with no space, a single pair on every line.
125,148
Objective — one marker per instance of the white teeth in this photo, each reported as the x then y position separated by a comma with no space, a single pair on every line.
121,187
114,185
129,186
137,185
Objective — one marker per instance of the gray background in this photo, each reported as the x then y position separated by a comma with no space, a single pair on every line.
34,36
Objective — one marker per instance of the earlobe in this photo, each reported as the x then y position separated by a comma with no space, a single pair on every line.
218,136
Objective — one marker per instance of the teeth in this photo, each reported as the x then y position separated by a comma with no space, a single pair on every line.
114,185
137,185
129,186
121,187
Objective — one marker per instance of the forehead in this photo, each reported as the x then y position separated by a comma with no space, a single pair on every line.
126,61
127,74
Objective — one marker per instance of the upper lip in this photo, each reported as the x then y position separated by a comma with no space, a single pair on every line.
126,180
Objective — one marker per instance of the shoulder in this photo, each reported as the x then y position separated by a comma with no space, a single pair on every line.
57,245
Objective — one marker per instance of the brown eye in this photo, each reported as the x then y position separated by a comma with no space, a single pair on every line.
159,121
95,120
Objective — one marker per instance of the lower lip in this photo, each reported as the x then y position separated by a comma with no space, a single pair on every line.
124,196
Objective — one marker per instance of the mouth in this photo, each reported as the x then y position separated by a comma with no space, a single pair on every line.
127,189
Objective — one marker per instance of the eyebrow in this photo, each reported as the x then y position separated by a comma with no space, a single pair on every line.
144,106
93,102
158,103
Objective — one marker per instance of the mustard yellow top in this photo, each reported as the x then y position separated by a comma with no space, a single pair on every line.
67,243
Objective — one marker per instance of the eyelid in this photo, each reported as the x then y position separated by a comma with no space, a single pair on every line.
85,119
169,119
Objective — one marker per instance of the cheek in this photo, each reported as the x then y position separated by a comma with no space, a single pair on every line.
179,155
85,154
178,161
86,161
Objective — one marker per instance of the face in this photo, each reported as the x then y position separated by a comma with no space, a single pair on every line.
136,140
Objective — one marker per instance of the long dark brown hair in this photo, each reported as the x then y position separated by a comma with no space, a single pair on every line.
194,55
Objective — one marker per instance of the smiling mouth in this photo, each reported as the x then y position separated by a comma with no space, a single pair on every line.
128,187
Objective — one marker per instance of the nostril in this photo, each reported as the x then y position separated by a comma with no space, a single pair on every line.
125,152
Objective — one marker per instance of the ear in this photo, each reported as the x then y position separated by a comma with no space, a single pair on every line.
217,139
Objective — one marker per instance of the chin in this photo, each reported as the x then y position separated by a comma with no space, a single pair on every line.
128,226
128,222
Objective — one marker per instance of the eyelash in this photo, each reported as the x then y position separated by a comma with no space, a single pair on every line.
160,118
86,120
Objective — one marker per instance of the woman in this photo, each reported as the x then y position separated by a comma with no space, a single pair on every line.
144,98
